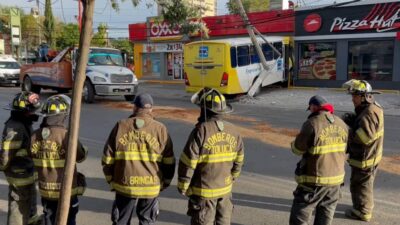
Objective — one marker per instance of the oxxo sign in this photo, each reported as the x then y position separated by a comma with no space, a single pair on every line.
162,29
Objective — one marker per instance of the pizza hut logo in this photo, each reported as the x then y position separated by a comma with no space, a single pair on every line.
312,23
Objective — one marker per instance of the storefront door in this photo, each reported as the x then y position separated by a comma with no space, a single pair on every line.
175,65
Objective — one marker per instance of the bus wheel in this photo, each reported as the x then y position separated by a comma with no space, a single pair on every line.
88,92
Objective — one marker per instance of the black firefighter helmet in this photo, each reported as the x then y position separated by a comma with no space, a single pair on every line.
55,105
211,100
25,101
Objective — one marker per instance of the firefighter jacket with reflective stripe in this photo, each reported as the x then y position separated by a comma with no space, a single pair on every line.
211,160
138,159
322,143
49,152
14,159
366,137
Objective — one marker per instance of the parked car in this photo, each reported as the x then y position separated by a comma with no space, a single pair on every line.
9,70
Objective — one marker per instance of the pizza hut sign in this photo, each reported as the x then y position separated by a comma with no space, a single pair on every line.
382,18
162,29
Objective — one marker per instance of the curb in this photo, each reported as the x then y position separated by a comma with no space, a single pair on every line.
162,81
397,92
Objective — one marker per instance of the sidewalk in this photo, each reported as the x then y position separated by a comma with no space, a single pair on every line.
277,97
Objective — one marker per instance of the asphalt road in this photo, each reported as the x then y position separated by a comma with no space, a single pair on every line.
263,193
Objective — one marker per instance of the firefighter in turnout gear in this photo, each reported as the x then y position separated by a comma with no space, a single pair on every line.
322,144
211,161
138,163
365,147
15,162
49,151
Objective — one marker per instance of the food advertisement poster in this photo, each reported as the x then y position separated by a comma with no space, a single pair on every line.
317,61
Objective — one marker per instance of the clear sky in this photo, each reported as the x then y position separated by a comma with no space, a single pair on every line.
66,10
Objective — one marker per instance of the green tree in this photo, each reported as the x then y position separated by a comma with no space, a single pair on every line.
69,36
100,38
49,24
178,13
123,45
249,6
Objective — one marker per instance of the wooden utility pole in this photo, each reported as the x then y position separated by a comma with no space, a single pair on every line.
80,76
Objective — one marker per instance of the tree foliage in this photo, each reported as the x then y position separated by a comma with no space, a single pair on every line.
100,38
123,45
69,36
49,24
248,5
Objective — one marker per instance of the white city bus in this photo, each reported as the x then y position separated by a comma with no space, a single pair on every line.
232,65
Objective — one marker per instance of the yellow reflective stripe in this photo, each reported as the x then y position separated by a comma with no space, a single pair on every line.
168,160
137,191
138,156
22,153
325,149
56,194
217,158
49,163
108,178
296,150
366,163
364,137
21,181
235,174
11,145
239,158
211,193
192,163
362,215
183,185
108,160
335,180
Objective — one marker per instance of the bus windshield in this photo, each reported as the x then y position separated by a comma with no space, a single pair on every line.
105,58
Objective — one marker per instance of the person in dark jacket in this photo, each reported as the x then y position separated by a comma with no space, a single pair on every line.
138,162
365,147
322,144
49,151
15,162
210,162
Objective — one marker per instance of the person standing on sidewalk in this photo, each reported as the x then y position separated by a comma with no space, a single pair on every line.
15,162
322,144
211,161
365,147
138,162
49,151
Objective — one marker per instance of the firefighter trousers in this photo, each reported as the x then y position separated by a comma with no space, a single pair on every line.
210,211
147,210
309,198
50,211
361,188
21,204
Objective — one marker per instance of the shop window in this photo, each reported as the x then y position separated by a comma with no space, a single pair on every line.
370,60
243,55
317,61
253,55
268,52
233,57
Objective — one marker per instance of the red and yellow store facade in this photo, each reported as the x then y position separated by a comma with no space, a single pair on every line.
158,49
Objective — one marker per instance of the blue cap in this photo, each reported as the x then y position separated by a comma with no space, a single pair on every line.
144,101
317,100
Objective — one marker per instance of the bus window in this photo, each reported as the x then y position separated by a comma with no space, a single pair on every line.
253,55
278,46
233,57
268,53
243,55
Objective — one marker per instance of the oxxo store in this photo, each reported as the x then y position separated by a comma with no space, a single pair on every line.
159,53
355,41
